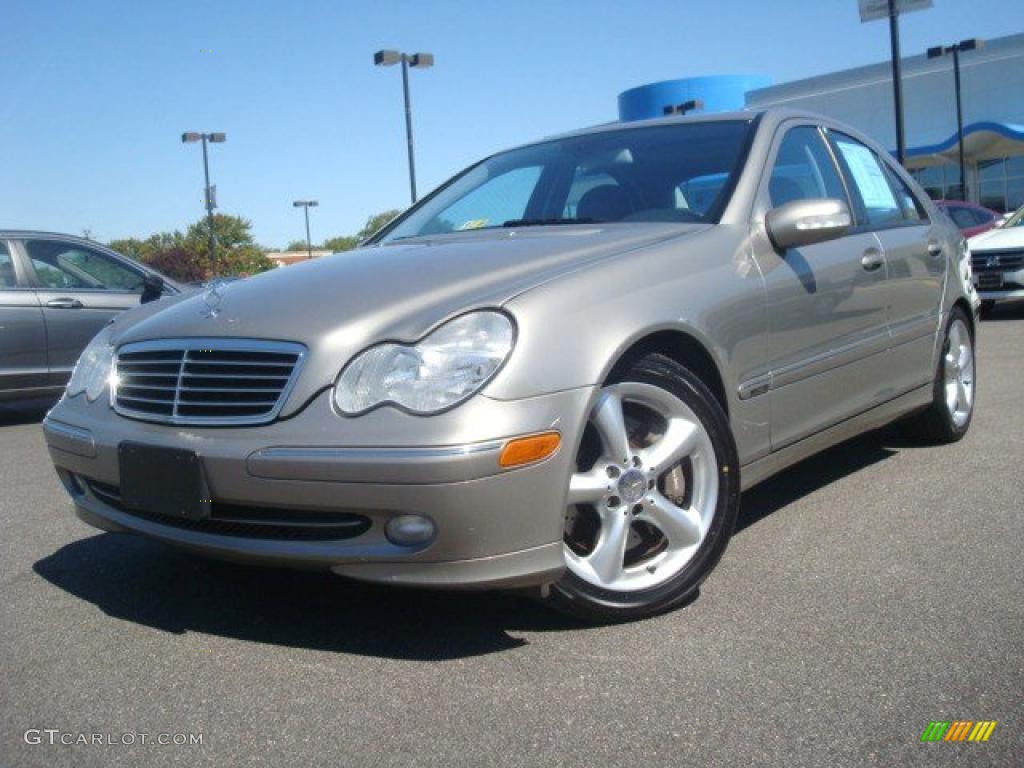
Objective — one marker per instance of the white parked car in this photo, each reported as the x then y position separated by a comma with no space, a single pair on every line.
997,260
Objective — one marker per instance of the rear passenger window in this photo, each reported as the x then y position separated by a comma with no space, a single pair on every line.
869,182
7,278
803,169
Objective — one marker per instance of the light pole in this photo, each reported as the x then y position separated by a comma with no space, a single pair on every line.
306,205
937,52
891,9
210,195
422,61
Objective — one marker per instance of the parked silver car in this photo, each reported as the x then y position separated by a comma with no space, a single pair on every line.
56,293
559,370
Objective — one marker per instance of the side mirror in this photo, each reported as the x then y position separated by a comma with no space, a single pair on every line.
805,222
152,288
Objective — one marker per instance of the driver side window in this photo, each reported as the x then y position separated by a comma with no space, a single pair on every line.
804,169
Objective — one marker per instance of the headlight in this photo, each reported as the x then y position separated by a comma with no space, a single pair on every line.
435,373
93,370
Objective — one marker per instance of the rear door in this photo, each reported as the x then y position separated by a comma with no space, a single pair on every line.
828,331
23,366
915,255
79,288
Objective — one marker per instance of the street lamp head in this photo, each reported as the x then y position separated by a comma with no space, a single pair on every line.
305,204
386,58
421,60
972,44
188,138
218,138
936,51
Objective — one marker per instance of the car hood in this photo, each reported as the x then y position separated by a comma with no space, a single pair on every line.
998,239
340,304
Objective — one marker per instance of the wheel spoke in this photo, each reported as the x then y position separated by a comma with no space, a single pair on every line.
678,442
962,399
680,526
587,487
964,358
609,555
611,425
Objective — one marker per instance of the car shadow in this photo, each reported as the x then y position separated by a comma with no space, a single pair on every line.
818,471
145,582
25,411
1012,309
148,583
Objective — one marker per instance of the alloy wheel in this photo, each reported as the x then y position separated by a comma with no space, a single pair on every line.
958,372
645,490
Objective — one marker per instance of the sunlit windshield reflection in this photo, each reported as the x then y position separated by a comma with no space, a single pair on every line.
666,173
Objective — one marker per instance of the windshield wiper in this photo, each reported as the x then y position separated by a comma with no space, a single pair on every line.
546,222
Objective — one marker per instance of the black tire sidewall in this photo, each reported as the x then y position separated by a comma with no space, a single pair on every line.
579,597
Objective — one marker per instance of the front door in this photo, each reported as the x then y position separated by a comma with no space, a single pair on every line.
79,289
23,367
828,333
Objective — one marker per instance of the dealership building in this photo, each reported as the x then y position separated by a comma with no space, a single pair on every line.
992,88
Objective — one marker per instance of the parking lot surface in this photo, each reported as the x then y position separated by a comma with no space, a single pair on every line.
868,591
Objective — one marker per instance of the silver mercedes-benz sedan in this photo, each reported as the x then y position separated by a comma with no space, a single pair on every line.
556,372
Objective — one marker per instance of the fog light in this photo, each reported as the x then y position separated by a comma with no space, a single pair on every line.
409,530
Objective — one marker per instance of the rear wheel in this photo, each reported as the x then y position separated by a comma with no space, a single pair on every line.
948,417
653,498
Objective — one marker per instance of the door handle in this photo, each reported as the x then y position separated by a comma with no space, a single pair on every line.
872,259
934,249
64,303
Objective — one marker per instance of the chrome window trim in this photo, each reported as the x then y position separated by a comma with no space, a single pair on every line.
221,344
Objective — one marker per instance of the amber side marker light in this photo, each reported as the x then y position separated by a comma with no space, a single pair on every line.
528,450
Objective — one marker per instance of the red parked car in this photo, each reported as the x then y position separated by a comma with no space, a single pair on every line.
972,219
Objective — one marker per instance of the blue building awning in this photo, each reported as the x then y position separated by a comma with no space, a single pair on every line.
982,141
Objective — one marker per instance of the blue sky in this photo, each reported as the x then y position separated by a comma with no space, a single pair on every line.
96,94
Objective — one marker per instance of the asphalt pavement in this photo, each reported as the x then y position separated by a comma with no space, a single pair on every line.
868,591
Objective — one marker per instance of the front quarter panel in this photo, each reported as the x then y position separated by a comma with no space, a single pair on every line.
574,329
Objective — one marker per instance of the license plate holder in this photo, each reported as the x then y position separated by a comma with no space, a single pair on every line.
988,281
163,481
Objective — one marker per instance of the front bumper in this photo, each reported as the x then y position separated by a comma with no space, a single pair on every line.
494,527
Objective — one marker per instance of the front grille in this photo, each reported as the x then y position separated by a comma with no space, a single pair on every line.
205,381
997,261
248,522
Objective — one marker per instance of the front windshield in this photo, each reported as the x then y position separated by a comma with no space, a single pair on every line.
1017,220
675,173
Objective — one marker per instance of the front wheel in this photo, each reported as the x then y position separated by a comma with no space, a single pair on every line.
654,496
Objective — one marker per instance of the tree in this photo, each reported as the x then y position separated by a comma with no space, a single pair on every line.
375,223
186,256
296,245
340,243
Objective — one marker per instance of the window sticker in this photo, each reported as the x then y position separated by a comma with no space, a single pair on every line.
868,176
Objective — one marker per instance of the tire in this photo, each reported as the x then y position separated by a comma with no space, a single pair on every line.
987,305
948,417
679,476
